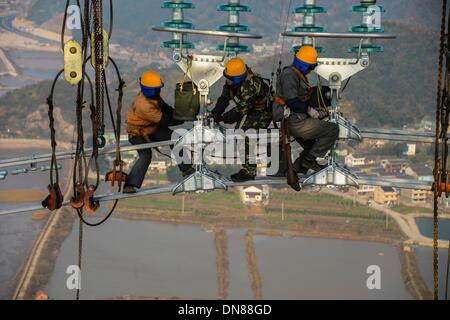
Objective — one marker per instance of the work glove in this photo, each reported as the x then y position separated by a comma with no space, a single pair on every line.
232,116
313,113
221,105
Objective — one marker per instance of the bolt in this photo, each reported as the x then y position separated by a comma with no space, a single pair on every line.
335,78
176,57
73,50
73,74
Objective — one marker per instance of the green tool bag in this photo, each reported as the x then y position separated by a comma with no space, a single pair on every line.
187,102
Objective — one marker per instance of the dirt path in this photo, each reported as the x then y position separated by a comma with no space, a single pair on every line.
406,222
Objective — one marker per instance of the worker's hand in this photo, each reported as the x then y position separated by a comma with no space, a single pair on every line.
217,117
232,116
313,113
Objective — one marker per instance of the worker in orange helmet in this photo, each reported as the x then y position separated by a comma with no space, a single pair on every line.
316,136
252,110
149,118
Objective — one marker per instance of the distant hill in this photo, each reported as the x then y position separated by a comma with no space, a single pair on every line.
133,19
398,88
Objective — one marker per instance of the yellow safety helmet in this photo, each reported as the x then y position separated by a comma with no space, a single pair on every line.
235,70
307,54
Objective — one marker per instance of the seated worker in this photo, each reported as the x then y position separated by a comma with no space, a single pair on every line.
149,118
316,136
250,94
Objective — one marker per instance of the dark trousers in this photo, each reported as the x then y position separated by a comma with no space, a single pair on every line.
317,137
139,170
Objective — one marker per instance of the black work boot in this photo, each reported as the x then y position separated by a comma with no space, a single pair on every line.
187,172
312,164
129,189
299,168
242,176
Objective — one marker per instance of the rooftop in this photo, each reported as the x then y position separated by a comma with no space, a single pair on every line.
388,189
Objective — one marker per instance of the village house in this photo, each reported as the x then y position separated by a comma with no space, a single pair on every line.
410,197
395,166
354,160
410,150
158,167
387,196
420,173
255,195
366,191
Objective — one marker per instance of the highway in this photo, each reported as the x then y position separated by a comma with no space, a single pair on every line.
6,23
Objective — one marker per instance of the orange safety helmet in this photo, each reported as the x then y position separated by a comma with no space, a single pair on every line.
306,59
151,84
235,71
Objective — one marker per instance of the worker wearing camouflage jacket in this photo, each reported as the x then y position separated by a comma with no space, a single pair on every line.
252,110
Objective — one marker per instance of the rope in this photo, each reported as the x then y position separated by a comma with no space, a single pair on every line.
80,253
447,273
278,40
50,102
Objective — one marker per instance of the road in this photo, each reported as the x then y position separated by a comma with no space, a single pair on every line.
6,23
406,222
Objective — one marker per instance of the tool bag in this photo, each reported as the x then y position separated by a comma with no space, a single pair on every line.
187,102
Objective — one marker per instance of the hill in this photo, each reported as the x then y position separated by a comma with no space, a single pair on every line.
398,88
133,19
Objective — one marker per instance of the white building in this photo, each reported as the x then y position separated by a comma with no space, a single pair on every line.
255,195
352,160
366,190
410,149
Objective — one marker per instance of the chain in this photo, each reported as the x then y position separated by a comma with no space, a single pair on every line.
97,115
438,161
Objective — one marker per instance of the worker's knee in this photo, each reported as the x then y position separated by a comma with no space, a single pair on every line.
334,130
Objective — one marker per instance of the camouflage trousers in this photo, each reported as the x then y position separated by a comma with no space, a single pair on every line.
262,123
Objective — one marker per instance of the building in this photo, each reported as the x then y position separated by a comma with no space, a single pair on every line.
410,150
414,197
427,124
354,160
255,195
159,167
421,173
366,191
387,196
395,166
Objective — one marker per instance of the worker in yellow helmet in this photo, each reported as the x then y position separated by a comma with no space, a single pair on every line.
149,118
252,110
316,136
